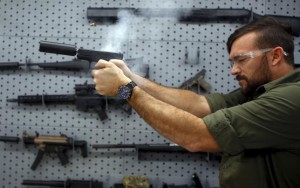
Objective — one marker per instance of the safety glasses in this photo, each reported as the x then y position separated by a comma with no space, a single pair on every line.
239,59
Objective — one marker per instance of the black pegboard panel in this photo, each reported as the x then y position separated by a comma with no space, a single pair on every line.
175,52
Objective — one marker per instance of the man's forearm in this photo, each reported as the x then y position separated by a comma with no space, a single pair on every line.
196,104
175,124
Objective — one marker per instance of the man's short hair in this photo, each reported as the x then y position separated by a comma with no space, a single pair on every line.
270,34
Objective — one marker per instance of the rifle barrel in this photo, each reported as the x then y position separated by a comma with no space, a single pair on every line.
9,139
9,65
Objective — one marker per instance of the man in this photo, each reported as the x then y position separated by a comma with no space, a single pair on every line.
256,128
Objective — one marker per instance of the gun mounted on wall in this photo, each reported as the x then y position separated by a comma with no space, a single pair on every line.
50,144
190,16
85,98
82,57
198,81
65,184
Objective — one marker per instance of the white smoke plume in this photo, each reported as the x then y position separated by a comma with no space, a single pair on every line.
118,34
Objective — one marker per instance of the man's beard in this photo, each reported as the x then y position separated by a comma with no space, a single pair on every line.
260,77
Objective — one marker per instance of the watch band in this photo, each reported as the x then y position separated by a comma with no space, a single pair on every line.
125,91
132,84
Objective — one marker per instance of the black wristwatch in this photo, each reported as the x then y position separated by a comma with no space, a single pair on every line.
125,91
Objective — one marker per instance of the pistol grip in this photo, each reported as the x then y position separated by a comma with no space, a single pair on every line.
63,158
101,113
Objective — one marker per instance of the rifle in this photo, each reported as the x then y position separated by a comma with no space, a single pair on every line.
135,64
75,64
144,147
66,184
82,61
82,54
198,79
185,15
167,147
85,98
50,144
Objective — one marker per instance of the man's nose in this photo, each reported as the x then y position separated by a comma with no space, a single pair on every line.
235,69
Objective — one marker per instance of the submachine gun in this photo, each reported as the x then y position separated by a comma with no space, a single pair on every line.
50,144
85,98
53,144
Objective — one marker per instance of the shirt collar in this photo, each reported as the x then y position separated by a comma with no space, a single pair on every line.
293,76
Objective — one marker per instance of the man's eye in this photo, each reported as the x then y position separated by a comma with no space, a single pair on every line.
240,58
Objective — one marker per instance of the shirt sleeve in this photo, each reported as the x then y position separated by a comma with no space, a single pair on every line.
218,101
220,126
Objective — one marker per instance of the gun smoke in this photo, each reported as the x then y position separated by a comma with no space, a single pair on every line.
119,33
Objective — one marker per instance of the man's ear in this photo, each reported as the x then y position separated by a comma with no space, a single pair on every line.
277,55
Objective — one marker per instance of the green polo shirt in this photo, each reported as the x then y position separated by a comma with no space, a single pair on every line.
259,137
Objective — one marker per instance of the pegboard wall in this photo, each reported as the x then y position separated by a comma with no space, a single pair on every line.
168,47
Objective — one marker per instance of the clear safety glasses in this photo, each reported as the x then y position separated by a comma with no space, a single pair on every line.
239,59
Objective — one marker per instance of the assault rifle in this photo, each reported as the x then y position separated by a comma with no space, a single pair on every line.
198,80
73,65
135,64
50,144
82,60
85,98
186,15
66,184
144,147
